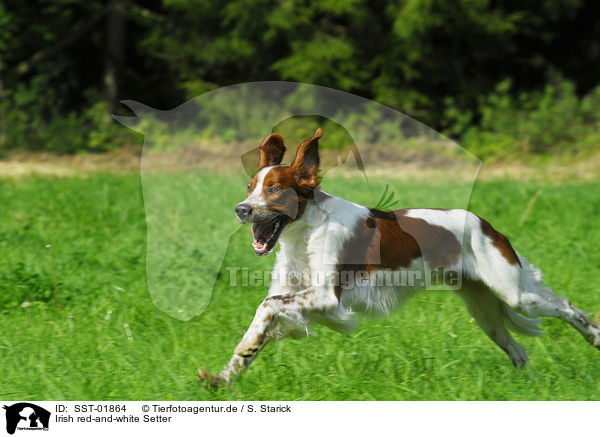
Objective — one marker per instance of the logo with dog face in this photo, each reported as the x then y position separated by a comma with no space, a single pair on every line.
26,416
200,158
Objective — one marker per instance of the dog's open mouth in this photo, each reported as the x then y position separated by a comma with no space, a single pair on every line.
265,235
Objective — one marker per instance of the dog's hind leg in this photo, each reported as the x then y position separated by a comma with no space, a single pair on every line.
278,316
540,300
495,318
520,285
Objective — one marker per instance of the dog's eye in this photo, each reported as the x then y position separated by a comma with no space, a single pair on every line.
273,190
248,187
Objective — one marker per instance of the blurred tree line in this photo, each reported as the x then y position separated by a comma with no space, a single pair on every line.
490,73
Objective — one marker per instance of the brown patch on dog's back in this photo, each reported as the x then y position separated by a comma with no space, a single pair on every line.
391,240
500,242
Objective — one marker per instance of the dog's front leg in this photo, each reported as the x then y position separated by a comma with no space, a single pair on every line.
278,316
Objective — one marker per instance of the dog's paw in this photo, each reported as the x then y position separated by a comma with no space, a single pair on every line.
250,346
246,351
212,381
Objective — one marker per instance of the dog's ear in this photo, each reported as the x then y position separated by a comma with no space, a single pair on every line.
271,151
306,162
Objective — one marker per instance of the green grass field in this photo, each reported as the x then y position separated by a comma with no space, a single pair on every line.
89,289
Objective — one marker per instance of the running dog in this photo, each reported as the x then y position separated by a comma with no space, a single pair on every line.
324,238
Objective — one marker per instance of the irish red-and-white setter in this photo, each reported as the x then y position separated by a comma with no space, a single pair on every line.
337,259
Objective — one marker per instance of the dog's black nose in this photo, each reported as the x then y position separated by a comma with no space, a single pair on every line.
243,211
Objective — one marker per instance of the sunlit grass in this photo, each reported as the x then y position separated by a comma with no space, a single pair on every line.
429,350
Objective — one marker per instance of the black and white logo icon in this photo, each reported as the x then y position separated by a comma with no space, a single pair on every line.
26,416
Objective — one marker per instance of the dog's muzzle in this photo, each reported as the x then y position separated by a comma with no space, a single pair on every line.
243,212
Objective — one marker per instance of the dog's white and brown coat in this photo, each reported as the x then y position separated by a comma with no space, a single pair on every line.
325,235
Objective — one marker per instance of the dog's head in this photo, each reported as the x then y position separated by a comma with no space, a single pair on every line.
277,194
